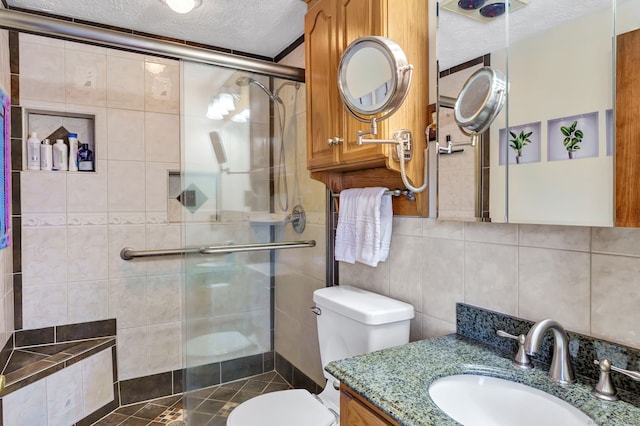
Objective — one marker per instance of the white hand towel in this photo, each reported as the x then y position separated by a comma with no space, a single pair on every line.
386,221
345,249
364,226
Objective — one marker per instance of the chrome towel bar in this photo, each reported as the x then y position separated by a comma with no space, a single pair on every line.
395,193
128,253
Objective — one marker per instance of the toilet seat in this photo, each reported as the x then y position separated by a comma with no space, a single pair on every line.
293,407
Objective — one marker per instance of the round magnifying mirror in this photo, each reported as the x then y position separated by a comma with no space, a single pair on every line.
480,100
373,77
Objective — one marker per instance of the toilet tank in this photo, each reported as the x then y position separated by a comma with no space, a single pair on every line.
353,321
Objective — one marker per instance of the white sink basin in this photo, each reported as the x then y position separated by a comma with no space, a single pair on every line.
475,400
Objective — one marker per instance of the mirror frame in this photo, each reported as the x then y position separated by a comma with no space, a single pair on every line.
491,105
401,71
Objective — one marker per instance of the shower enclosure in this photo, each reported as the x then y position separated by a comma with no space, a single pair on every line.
235,199
238,130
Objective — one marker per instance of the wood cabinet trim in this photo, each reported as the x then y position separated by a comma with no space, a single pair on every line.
355,410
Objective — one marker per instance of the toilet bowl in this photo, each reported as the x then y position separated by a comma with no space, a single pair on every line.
350,322
294,407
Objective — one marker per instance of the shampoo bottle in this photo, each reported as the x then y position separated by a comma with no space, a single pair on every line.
60,155
85,158
46,155
33,152
73,152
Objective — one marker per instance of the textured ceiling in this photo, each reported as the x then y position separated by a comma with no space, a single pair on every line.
460,38
260,27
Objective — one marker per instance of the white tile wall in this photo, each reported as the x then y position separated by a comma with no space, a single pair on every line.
586,278
97,380
132,352
126,93
126,134
65,396
162,137
27,406
87,301
300,271
85,75
76,224
42,69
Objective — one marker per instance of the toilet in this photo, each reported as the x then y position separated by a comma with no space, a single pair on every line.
350,322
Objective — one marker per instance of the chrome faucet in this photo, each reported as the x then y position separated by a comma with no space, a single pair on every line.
561,369
605,389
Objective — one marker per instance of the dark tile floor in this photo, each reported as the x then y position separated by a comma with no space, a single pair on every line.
204,407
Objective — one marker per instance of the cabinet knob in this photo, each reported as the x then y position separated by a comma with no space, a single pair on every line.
335,141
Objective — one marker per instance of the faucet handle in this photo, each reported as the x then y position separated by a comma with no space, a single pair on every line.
522,359
605,389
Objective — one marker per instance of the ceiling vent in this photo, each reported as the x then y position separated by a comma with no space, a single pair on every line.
482,10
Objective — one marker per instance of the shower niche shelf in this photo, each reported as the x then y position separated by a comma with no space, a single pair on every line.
54,125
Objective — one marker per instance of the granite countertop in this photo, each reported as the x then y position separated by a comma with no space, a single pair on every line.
397,380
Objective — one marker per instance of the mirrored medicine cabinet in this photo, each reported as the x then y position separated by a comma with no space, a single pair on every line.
548,158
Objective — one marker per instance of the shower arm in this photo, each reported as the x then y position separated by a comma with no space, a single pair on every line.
128,253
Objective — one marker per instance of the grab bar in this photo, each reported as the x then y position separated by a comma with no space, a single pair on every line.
257,247
128,253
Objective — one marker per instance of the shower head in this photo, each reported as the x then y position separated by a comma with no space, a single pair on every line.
286,83
245,81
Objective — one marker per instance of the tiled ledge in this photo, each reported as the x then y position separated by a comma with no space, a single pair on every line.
29,364
31,355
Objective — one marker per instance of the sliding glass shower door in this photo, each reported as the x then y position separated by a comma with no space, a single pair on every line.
234,189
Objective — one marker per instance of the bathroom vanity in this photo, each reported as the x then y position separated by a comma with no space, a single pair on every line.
391,386
356,410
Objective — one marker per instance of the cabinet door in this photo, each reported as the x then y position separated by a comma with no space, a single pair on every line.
359,18
627,152
323,98
354,413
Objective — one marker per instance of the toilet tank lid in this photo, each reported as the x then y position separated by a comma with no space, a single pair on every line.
361,305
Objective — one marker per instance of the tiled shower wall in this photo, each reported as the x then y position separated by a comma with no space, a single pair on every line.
6,263
75,224
300,271
586,278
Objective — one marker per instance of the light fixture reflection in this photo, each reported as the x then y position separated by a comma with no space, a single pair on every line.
222,104
213,110
226,101
183,6
242,116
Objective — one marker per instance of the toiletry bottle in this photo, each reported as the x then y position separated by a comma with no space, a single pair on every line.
60,155
33,152
46,155
85,158
73,152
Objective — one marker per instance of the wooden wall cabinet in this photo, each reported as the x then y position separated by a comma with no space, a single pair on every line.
627,152
356,411
333,155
